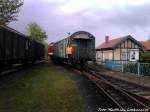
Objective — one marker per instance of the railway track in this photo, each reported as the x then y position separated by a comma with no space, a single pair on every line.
110,102
131,88
138,91
121,98
124,98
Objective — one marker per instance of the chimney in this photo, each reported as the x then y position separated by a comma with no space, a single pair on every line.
106,39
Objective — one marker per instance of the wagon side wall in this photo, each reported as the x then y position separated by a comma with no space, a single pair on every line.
60,48
17,48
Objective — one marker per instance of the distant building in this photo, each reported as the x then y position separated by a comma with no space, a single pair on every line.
120,49
146,45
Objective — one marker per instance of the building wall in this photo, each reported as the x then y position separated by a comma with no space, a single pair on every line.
117,54
128,48
101,56
107,55
129,44
122,52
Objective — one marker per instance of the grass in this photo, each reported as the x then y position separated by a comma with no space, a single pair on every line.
44,89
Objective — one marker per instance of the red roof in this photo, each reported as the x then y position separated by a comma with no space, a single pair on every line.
146,45
110,43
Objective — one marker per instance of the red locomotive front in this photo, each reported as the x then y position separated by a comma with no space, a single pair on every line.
50,49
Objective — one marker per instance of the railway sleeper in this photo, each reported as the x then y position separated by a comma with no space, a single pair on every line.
136,103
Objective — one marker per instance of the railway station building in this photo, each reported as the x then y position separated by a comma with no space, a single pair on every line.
119,49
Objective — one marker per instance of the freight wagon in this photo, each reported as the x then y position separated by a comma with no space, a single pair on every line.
83,44
17,48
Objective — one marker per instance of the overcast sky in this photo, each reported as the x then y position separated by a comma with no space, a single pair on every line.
115,18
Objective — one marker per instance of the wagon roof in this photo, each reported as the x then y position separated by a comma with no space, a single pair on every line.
76,33
15,31
12,30
82,32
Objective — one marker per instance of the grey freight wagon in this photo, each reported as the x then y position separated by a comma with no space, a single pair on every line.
17,48
83,44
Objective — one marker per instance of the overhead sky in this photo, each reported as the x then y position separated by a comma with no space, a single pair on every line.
115,18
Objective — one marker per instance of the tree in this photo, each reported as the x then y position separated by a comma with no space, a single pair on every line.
45,48
145,55
36,32
9,10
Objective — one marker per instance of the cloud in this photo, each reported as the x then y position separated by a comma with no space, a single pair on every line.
131,17
99,17
78,5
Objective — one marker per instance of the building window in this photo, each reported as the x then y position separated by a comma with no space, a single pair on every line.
124,56
128,55
132,55
106,56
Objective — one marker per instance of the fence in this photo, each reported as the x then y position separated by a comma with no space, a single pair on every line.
132,67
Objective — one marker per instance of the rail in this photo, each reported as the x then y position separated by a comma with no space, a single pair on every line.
121,97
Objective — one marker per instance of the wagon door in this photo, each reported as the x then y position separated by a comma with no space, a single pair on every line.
84,49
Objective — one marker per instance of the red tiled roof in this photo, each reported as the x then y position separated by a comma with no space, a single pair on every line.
146,45
110,43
